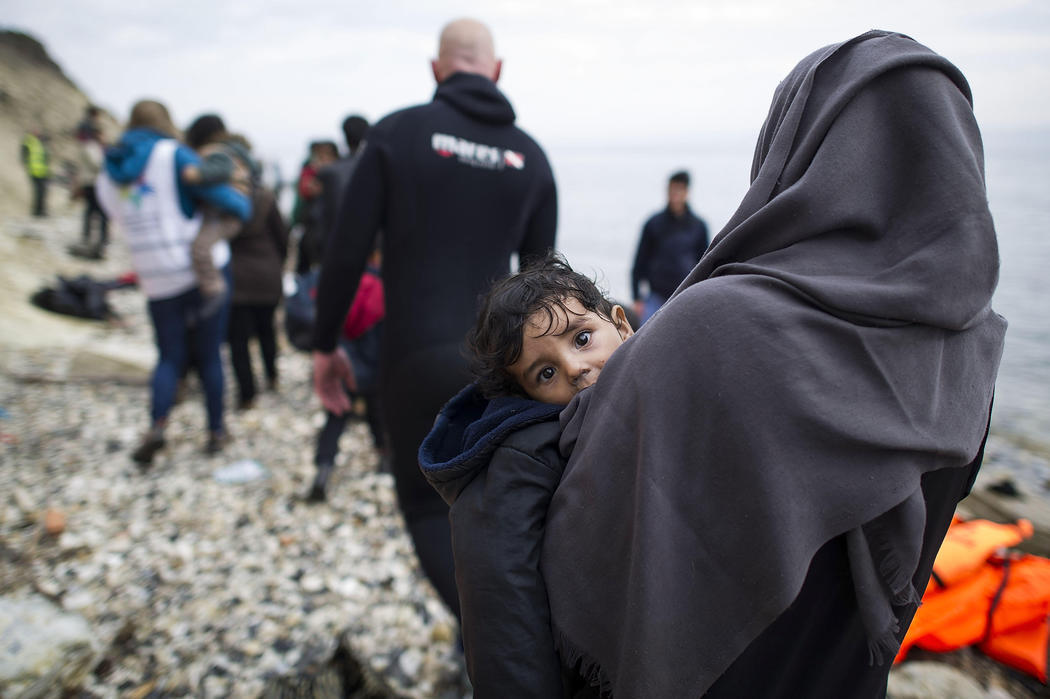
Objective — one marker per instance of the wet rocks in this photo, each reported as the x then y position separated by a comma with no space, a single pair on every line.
921,680
44,650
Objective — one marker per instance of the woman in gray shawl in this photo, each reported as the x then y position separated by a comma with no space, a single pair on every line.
760,480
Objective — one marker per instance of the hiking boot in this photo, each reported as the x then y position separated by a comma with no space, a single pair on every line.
245,404
217,441
151,444
317,490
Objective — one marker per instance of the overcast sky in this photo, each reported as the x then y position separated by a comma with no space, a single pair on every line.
606,72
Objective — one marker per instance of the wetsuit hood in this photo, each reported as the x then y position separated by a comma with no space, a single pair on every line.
468,429
127,159
477,97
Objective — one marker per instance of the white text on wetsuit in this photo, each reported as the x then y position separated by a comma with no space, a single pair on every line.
476,154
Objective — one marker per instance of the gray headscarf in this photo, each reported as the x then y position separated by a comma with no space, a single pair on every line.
835,343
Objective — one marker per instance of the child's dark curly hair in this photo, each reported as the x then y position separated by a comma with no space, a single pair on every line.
542,284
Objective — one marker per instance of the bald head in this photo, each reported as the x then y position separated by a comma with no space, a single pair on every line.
466,46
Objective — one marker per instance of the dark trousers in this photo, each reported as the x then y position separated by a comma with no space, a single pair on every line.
328,437
308,254
92,212
364,354
39,196
414,391
246,322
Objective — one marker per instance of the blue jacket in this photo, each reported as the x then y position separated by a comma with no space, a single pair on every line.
496,463
127,159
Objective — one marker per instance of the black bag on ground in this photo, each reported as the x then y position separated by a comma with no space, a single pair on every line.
81,297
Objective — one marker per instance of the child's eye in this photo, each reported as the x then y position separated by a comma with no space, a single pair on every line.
583,338
546,374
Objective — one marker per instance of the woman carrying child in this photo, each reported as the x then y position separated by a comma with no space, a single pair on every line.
759,482
144,189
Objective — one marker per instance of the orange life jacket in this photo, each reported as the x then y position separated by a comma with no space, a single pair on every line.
969,543
1002,604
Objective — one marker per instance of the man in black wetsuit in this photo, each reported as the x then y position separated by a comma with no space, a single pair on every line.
456,189
672,242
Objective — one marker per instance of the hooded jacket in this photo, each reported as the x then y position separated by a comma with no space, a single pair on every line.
457,189
126,161
496,463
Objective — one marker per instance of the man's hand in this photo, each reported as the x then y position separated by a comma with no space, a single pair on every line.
639,308
332,371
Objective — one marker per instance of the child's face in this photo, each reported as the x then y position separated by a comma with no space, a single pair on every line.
558,363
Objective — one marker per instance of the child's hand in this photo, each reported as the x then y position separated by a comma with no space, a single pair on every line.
191,174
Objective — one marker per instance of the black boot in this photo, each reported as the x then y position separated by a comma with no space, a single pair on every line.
150,445
317,491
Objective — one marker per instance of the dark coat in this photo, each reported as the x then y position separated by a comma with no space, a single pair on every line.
669,248
497,464
258,254
457,189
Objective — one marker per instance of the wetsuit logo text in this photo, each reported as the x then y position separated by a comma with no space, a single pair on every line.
476,154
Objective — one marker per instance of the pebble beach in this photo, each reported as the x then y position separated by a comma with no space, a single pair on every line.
201,576
213,576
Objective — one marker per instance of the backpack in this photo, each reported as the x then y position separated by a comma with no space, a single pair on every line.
300,311
80,297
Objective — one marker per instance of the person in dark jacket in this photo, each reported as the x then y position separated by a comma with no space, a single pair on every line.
257,258
457,189
542,336
334,178
309,206
672,242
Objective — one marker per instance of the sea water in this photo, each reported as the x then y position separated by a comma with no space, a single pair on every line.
606,193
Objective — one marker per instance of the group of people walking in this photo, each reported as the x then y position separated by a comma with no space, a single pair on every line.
179,205
740,497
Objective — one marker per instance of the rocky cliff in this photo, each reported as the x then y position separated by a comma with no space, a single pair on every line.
35,93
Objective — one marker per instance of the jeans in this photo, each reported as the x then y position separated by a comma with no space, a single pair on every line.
172,318
652,305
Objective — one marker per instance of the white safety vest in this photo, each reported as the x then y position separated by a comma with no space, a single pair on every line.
158,233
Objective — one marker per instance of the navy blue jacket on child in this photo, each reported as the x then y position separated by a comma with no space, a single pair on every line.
496,463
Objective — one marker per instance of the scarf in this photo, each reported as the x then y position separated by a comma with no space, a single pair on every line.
835,343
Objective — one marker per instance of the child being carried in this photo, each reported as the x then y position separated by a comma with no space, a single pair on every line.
542,336
225,159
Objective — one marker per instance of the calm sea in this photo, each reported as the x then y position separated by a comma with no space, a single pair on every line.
607,193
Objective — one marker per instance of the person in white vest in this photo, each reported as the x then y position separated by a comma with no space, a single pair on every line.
141,190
